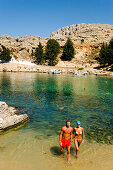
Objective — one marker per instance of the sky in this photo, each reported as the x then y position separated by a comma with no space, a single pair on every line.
42,17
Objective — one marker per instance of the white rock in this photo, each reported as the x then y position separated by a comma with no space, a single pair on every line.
8,117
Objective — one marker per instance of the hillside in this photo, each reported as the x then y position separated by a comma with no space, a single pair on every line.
88,33
87,39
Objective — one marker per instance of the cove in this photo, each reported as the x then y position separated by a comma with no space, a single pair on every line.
49,100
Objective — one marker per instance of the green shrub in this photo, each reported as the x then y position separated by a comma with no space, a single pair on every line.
81,68
5,54
82,40
17,40
112,67
32,53
15,57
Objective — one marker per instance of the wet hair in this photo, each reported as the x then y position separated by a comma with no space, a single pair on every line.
67,121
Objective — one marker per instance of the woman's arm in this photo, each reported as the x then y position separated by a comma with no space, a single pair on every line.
83,135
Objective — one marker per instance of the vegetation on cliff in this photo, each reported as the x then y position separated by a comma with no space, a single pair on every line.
5,54
68,51
52,51
39,55
49,55
106,53
84,36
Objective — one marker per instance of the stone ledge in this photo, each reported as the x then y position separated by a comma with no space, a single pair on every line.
9,118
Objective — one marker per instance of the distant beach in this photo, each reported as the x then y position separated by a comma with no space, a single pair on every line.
26,66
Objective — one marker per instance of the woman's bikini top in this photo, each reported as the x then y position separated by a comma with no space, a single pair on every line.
78,133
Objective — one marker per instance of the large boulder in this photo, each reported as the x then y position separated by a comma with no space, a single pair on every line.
9,117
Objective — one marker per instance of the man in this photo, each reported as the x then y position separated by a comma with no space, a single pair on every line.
66,138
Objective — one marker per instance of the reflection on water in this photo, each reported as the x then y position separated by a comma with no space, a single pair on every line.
50,100
5,83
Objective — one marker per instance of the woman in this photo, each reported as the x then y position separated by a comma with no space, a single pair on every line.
79,137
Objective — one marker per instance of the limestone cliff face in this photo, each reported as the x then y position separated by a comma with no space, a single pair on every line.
85,33
87,39
22,47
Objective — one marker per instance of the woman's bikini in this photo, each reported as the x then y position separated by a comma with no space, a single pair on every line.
78,135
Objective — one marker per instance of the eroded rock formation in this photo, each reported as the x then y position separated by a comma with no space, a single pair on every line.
9,117
85,33
87,39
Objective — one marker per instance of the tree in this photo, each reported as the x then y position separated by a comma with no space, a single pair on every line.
5,54
52,51
103,55
68,51
110,56
106,54
110,52
39,55
111,43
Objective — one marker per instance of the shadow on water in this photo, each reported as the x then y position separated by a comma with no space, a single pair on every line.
55,150
73,151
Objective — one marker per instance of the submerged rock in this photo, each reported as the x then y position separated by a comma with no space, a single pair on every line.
9,117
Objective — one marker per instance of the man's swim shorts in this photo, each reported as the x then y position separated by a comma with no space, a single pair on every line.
66,143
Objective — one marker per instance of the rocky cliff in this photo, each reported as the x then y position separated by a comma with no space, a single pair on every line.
21,47
85,33
87,39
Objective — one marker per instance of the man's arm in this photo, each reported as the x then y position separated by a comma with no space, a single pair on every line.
71,135
61,133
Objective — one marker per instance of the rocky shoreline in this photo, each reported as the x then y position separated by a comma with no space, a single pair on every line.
10,118
78,70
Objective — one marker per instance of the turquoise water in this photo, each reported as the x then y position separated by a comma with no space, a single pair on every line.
49,100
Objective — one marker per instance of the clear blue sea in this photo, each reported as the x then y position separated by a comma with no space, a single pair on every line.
50,100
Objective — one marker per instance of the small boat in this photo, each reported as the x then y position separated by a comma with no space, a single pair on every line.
56,72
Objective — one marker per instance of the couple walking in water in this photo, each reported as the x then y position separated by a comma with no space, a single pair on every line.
66,137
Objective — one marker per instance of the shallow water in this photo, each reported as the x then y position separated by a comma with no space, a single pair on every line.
50,100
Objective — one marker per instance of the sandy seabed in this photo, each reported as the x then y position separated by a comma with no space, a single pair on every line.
28,150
